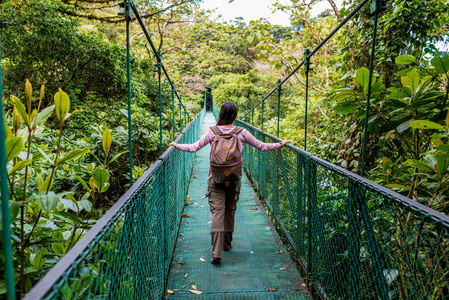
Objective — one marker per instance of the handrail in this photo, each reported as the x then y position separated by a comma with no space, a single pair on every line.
352,237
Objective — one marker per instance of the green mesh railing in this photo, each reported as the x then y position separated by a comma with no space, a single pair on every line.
355,239
127,254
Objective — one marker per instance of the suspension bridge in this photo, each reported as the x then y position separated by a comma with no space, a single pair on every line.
305,228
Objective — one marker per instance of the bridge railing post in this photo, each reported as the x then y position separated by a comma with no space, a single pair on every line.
306,71
128,15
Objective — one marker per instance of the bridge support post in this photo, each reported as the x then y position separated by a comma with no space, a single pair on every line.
306,70
180,117
159,72
128,15
279,105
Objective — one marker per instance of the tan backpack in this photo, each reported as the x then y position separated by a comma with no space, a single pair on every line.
226,156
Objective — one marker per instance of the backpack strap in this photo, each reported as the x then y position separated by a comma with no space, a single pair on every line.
215,130
236,130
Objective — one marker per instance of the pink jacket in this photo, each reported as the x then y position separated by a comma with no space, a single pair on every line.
244,137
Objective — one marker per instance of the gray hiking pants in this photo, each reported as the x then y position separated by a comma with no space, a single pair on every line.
223,203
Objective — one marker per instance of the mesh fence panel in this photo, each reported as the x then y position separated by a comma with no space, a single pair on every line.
127,254
355,239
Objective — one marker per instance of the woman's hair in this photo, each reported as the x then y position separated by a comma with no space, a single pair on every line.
228,113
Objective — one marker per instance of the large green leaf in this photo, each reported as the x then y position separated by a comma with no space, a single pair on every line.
40,259
83,183
404,59
342,94
44,114
14,207
85,204
20,165
347,107
47,202
441,64
69,216
21,110
411,80
362,76
101,178
442,164
425,124
419,165
72,155
117,156
13,147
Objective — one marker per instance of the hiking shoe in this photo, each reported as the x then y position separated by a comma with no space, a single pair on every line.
228,249
215,260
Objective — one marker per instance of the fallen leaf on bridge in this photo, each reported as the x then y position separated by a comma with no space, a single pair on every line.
195,292
170,291
254,208
202,259
181,234
182,263
187,274
271,290
280,251
186,216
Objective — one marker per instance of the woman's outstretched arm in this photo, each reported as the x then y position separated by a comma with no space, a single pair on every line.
204,140
251,140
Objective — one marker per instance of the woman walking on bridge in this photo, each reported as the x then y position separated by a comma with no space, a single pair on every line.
225,173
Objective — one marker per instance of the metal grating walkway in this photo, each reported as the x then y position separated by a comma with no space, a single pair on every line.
252,267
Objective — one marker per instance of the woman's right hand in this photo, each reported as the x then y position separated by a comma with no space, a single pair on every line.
173,144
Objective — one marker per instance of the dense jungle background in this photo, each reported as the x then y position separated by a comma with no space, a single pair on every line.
64,74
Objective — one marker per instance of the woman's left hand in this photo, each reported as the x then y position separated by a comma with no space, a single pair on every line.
173,144
285,142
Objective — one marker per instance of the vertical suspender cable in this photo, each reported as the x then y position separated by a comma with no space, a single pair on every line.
306,69
173,112
263,104
180,117
279,105
252,115
205,100
371,64
128,76
159,71
6,218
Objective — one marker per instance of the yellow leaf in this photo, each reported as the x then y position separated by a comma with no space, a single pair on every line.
195,292
170,291
62,104
438,143
42,92
202,259
107,140
194,287
28,93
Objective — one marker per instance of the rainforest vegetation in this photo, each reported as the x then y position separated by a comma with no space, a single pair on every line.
64,75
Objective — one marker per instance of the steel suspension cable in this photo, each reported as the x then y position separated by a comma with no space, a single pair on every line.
338,27
150,41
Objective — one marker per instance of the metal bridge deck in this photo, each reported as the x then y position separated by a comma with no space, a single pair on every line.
253,269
